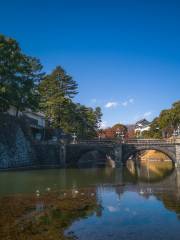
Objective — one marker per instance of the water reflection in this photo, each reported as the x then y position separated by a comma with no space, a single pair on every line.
46,180
150,170
143,210
135,202
132,216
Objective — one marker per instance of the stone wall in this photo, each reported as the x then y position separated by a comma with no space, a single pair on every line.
17,149
15,144
50,155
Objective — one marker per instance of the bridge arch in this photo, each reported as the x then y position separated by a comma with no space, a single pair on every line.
133,150
75,152
92,158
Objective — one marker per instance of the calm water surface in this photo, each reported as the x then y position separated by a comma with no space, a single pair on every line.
136,202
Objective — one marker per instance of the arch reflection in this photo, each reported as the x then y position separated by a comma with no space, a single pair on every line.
150,166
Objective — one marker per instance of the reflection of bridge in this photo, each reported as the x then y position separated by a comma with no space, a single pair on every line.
121,152
166,190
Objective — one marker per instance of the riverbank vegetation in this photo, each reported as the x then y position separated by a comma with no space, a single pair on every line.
165,124
24,85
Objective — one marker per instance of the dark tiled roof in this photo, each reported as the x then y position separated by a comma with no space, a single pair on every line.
143,122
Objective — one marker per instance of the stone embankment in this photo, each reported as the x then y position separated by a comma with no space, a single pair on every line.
17,149
15,144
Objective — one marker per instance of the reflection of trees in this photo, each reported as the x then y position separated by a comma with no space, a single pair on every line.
170,200
170,195
166,190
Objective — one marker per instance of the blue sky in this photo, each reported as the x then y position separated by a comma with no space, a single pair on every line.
125,55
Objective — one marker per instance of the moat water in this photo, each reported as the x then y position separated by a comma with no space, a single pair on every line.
139,201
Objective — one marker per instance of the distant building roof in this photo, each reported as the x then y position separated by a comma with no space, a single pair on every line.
143,122
142,125
39,114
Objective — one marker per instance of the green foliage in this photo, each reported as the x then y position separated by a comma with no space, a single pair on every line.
87,121
21,87
19,74
98,114
166,123
66,86
57,91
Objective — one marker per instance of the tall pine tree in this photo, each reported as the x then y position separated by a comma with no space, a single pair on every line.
57,90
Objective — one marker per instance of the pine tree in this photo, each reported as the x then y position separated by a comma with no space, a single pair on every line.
65,82
57,90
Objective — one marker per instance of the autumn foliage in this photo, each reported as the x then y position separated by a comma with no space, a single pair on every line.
112,132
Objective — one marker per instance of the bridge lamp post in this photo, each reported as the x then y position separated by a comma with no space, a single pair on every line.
122,137
174,133
118,133
62,137
74,136
178,131
162,133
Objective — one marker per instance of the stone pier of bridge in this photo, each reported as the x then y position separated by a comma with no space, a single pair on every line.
177,149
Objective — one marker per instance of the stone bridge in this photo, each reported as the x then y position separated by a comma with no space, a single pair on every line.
98,151
88,153
169,148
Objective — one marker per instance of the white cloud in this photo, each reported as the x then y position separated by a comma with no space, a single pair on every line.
147,114
129,101
103,124
124,104
111,104
112,209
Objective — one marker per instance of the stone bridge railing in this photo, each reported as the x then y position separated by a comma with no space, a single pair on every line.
96,141
150,141
129,141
